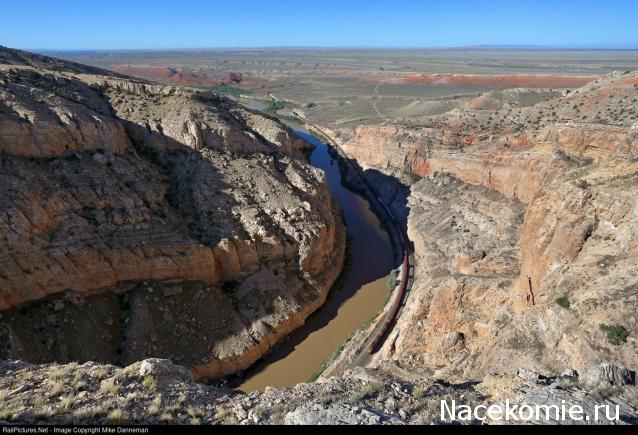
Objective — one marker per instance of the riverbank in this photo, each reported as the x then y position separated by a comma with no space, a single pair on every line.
361,296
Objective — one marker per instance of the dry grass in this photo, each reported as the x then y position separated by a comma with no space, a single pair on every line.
150,382
43,414
109,388
56,390
117,416
67,403
372,389
61,373
100,374
603,392
7,412
24,376
194,412
132,397
225,415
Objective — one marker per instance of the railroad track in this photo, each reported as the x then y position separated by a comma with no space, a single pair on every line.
390,314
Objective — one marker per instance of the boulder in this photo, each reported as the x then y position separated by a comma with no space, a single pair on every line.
164,370
610,374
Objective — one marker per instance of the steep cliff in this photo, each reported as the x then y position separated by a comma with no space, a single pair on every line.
139,219
525,231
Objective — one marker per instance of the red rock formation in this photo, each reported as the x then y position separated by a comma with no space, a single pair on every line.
499,81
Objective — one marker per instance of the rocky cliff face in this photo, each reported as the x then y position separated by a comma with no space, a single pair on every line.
525,229
173,222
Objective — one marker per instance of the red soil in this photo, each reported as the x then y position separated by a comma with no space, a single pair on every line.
182,76
504,81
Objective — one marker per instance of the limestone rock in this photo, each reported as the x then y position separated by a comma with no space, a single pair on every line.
162,370
609,374
109,182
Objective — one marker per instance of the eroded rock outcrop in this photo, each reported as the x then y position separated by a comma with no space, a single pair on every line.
160,392
525,231
174,222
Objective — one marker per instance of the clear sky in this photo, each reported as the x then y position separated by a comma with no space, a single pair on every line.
138,24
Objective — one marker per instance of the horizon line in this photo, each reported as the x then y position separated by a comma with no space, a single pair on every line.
478,47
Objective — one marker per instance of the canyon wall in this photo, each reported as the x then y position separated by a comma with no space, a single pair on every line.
525,231
186,226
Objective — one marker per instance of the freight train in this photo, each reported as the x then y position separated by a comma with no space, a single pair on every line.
395,305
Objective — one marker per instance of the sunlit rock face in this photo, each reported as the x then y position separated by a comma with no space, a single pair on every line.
525,229
172,222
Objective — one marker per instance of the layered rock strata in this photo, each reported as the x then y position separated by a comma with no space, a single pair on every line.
144,220
525,229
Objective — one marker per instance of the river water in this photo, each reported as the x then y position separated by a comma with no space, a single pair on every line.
360,298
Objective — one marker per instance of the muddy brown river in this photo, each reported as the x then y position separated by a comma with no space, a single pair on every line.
360,298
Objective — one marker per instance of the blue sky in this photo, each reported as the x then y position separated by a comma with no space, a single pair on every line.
138,24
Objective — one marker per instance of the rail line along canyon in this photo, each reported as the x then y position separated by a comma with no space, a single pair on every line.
448,225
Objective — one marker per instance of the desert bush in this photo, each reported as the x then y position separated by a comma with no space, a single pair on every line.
563,301
602,392
616,334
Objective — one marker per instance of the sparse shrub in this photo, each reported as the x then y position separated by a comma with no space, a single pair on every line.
59,373
194,412
150,382
24,376
563,301
258,411
433,408
565,383
56,390
78,382
153,409
392,282
100,374
38,402
67,403
277,415
7,412
616,334
326,397
420,392
602,392
81,416
109,388
583,184
225,415
166,417
370,390
3,394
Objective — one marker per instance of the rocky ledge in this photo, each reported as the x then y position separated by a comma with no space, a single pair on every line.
156,391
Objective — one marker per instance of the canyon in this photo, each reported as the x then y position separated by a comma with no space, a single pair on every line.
524,226
155,237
